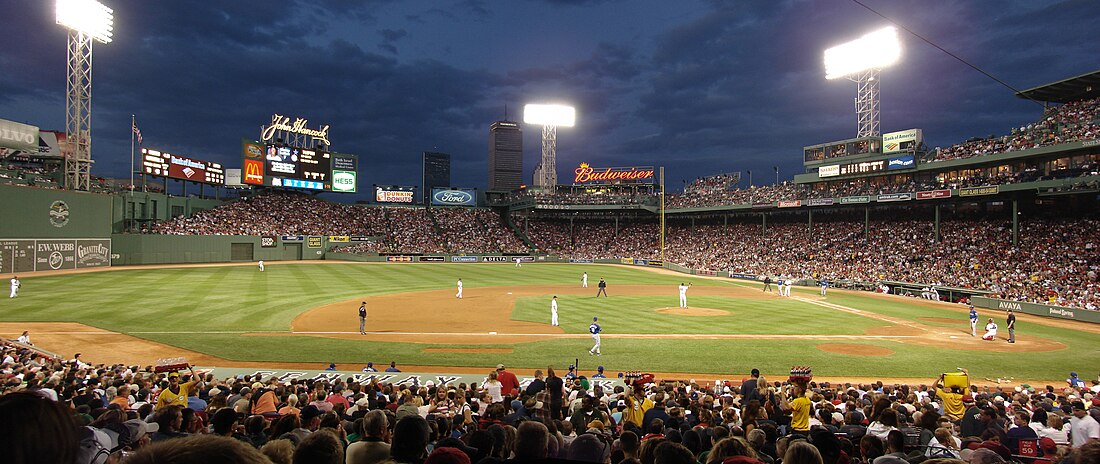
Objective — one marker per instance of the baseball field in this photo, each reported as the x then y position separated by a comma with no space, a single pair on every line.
305,314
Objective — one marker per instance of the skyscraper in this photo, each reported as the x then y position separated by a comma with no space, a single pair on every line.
505,156
437,173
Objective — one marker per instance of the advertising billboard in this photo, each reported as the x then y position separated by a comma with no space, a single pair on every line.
394,194
933,194
454,197
829,171
901,162
586,174
281,165
18,136
163,164
902,141
28,255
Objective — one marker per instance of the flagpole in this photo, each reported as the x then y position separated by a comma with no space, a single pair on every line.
133,124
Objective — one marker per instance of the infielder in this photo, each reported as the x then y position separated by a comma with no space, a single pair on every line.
785,290
684,295
584,280
779,284
15,284
261,265
459,294
973,321
824,287
594,329
554,311
518,260
363,318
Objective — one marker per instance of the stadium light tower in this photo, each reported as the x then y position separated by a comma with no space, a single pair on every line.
549,117
88,21
861,60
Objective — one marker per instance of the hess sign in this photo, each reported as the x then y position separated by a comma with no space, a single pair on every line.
634,174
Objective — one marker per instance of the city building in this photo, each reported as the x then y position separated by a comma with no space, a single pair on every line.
505,156
437,173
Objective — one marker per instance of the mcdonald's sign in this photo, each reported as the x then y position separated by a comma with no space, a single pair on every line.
253,172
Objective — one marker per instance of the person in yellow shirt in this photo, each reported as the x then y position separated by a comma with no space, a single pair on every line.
799,406
953,406
176,393
636,406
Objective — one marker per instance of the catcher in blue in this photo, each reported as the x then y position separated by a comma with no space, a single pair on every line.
594,329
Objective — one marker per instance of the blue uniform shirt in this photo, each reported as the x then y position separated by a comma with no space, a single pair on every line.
594,328
973,314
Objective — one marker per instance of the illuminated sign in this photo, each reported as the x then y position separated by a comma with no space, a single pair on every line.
282,123
906,140
253,172
828,171
586,173
932,194
458,197
393,194
344,181
901,162
864,167
976,191
790,203
163,164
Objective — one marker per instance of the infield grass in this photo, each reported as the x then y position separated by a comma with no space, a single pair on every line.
206,308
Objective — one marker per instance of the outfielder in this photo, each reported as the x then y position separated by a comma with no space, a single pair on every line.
554,311
594,329
261,265
518,260
684,295
15,284
459,294
584,280
973,321
363,318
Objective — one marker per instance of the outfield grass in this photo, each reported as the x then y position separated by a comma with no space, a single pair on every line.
174,306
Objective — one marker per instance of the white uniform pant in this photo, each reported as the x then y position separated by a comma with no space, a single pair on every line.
683,300
554,317
584,283
595,348
973,327
261,267
990,334
14,292
459,294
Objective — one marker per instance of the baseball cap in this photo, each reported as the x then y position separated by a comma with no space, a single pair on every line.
571,367
257,385
309,412
500,367
1078,405
600,368
1073,374
174,374
1048,445
967,399
138,428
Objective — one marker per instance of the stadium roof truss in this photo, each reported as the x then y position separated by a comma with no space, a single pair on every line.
1083,87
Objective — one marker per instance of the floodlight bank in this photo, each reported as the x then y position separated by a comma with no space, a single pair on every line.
87,17
877,49
550,115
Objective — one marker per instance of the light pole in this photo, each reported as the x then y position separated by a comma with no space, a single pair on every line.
549,117
860,61
88,21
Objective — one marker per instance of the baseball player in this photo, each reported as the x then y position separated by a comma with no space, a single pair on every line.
554,311
594,329
15,284
990,331
824,287
584,280
684,295
363,318
785,290
261,265
973,321
603,288
459,294
518,260
779,282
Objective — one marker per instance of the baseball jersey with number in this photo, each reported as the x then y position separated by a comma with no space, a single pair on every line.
594,328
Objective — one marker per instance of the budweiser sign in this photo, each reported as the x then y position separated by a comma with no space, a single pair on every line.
586,173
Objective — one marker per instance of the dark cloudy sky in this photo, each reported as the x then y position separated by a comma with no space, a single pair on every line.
700,87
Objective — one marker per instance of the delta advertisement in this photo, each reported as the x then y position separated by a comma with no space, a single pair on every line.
454,197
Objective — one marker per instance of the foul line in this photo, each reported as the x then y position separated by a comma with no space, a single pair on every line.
487,334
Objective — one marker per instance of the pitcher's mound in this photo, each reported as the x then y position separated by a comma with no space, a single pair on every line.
694,311
855,349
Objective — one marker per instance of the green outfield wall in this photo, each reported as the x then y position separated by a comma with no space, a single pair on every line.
135,249
29,212
1058,312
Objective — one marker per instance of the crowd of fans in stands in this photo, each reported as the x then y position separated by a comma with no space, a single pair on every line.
1078,120
70,412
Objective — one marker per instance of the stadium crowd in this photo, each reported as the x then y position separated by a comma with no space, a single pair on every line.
1078,120
277,213
1057,261
67,411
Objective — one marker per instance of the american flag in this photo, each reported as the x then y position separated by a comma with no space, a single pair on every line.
137,132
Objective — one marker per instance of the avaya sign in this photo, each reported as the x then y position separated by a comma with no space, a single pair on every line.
587,174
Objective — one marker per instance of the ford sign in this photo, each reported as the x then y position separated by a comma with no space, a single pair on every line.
452,197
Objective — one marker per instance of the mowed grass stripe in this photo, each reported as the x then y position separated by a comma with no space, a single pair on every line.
240,298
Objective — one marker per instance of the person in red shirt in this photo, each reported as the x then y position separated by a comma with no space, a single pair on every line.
509,384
